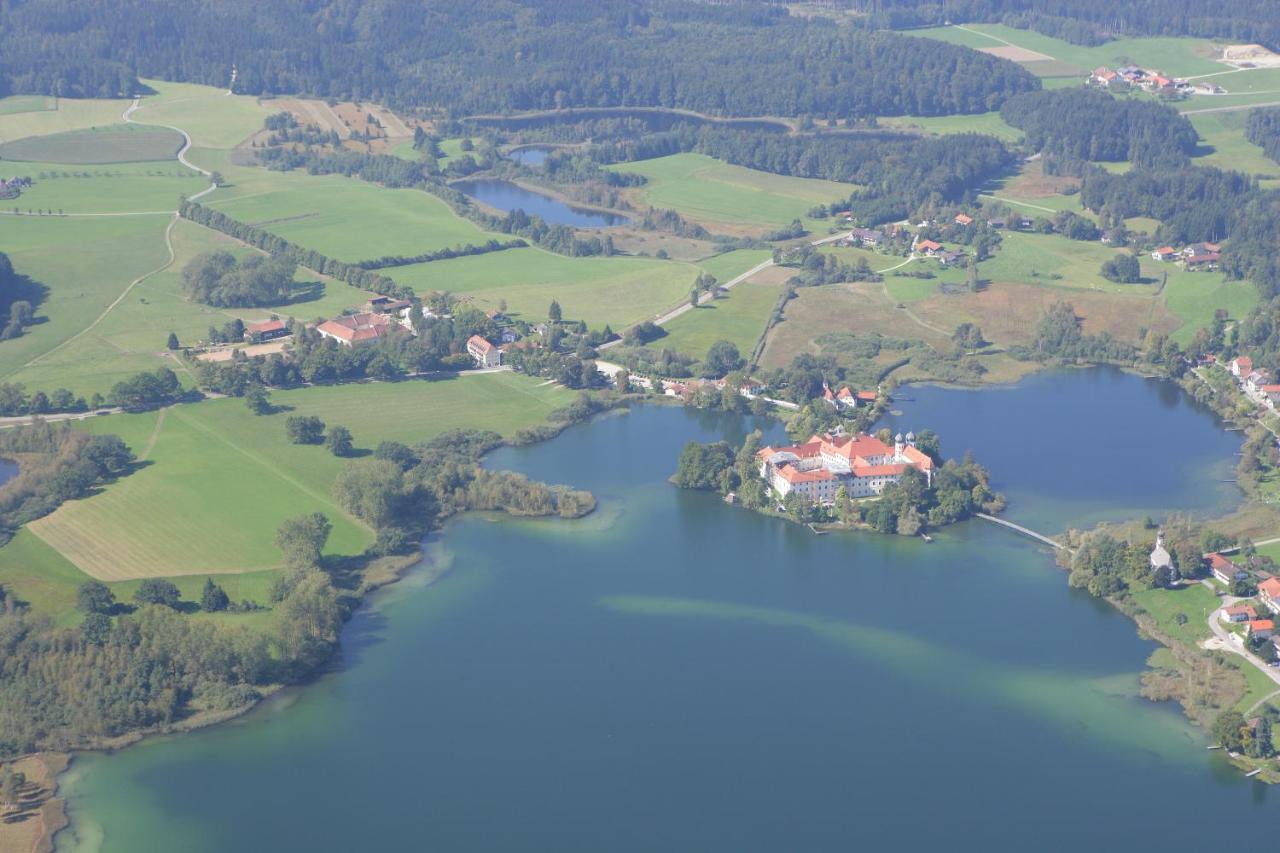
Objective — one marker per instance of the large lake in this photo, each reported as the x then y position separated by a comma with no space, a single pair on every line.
677,674
506,196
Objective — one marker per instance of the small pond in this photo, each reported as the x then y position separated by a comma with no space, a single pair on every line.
507,196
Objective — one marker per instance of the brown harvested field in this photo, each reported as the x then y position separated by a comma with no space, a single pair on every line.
1017,54
310,111
861,307
1032,182
1008,312
637,242
249,351
31,825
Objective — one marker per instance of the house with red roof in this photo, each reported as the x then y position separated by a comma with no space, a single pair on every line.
928,247
484,353
1261,628
267,330
1240,613
359,329
1225,570
964,219
1269,594
860,464
1241,367
1164,253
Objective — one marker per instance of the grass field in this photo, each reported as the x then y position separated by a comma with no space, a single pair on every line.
27,104
218,480
616,291
345,218
118,143
718,194
212,117
738,316
1180,57
1194,297
1222,134
68,114
988,123
123,188
1194,602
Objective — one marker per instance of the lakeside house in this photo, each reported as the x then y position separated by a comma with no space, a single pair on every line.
484,353
846,397
860,464
267,330
1269,594
358,329
1160,557
1240,613
1225,570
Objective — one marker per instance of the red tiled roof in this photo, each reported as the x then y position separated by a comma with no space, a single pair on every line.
1269,588
358,327
1166,250
963,219
926,245
479,343
1242,610
1245,364
793,476
1217,561
918,457
879,470
1262,625
867,395
265,326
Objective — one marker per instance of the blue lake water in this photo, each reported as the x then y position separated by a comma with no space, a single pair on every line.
504,195
673,673
530,156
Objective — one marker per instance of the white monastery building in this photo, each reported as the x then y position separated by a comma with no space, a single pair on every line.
862,464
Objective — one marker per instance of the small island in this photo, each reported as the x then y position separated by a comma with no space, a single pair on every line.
890,484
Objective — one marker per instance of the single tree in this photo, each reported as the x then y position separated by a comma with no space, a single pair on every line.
693,298
95,597
339,441
302,539
553,312
173,341
258,401
213,598
722,357
158,591
304,429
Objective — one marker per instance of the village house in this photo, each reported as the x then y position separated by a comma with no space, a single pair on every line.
996,222
386,305
860,464
484,353
1241,367
964,219
847,398
358,329
1269,594
1261,628
1225,570
928,247
1240,613
1103,77
950,259
1206,261
865,237
1164,253
267,330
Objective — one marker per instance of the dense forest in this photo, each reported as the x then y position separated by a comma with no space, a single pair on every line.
743,59
1091,22
1085,124
1263,129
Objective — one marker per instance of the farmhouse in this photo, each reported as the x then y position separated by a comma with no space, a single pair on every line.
1103,77
358,329
1225,570
267,330
1239,613
485,353
1241,367
1164,253
948,259
1269,594
860,464
928,247
964,219
1206,261
1261,628
865,237
386,305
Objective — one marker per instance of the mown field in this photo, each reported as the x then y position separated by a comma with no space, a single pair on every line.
988,123
738,316
1181,57
118,143
118,188
18,120
213,118
218,480
616,291
719,195
27,104
1224,145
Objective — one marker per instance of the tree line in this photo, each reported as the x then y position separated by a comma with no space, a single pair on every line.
745,59
1263,129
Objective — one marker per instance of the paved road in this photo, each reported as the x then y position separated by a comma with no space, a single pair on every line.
23,420
1233,109
1224,642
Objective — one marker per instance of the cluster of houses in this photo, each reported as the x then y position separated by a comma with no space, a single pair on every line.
1257,383
13,187
1196,257
862,465
1150,81
1257,623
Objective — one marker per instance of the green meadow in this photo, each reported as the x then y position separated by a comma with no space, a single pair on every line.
213,118
27,104
1182,57
1195,296
116,188
738,316
345,218
988,123
66,114
707,190
217,480
1225,146
118,143
617,291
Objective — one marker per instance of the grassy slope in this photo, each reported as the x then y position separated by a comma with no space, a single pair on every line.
219,480
738,317
27,104
117,143
116,188
69,115
988,123
617,291
708,190
213,118
1223,135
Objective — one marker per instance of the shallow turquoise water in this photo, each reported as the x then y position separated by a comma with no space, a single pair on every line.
677,674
